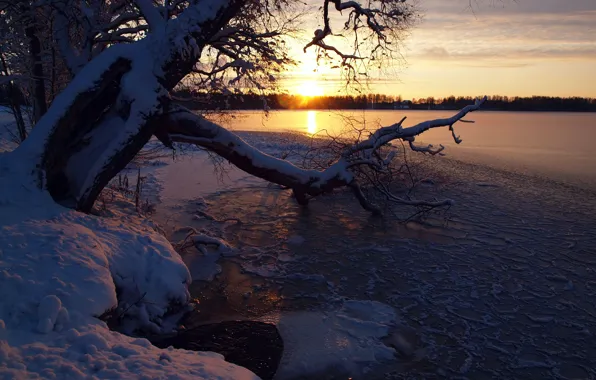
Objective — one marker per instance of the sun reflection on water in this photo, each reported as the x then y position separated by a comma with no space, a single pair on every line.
311,122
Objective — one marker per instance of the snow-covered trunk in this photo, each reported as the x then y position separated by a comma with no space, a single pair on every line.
184,126
115,103
71,132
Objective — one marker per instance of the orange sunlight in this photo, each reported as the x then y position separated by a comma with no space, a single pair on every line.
311,122
309,89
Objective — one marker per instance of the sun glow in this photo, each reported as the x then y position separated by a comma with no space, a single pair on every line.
310,89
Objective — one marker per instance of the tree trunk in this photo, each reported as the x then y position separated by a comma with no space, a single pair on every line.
112,109
73,134
184,126
15,97
37,81
120,99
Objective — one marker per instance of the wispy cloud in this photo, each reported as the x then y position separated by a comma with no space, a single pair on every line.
496,46
511,36
525,55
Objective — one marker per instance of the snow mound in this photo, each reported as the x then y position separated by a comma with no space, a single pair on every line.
82,261
347,341
92,351
60,270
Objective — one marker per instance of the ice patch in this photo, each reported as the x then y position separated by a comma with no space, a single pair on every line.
202,267
296,240
347,341
265,270
285,258
306,277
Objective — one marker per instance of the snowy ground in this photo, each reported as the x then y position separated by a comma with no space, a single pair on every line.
60,270
501,288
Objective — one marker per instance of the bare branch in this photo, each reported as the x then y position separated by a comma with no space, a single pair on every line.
386,134
430,149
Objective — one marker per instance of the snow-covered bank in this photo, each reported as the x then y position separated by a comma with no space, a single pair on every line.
60,270
501,288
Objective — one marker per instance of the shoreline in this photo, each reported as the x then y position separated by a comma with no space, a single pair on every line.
482,110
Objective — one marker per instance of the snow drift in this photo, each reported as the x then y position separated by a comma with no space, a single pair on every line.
60,270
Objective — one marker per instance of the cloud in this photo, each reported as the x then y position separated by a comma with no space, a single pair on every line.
537,31
510,57
525,29
506,7
580,22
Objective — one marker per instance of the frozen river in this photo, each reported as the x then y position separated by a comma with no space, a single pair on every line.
501,286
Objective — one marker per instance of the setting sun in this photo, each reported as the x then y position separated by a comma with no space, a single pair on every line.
309,89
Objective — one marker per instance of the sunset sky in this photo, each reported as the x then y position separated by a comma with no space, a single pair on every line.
528,47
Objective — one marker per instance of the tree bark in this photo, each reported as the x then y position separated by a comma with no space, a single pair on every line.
38,79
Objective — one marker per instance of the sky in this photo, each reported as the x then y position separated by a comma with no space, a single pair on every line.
513,48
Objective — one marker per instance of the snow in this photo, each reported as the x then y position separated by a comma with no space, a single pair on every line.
60,270
48,311
89,76
151,14
92,351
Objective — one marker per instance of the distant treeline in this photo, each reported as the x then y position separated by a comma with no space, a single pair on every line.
505,103
379,101
220,101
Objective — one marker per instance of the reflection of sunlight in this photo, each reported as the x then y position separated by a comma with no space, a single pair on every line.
311,122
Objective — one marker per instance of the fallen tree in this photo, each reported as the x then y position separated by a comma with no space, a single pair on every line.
127,57
185,126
